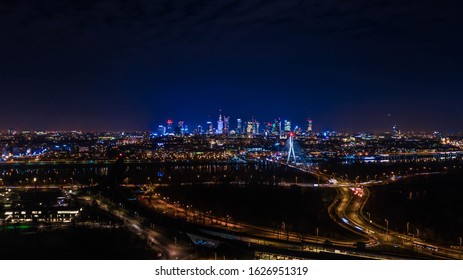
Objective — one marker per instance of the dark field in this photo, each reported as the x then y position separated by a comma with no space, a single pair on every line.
75,243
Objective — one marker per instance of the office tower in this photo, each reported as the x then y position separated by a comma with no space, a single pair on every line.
239,130
276,128
226,125
169,126
180,128
161,130
220,124
249,128
395,131
210,128
287,126
309,127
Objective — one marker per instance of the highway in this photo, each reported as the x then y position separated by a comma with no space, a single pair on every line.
347,211
169,248
227,228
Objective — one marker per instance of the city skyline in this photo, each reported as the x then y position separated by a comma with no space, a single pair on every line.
124,65
235,124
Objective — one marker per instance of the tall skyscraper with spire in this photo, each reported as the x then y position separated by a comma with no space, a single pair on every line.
220,124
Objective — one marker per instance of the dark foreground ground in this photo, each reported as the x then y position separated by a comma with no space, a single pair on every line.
75,243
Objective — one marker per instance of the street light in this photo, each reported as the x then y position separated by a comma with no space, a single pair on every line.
317,235
408,227
460,241
387,225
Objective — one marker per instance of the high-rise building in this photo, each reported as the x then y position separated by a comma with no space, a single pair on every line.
210,128
161,130
200,129
226,125
309,127
395,131
268,128
249,128
181,128
287,126
239,130
220,124
276,128
169,126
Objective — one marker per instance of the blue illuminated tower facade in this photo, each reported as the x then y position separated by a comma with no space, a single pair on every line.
219,124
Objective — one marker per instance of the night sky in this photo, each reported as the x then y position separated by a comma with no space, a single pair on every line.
350,65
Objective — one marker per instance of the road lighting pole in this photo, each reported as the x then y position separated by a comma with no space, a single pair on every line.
317,236
460,241
408,227
387,225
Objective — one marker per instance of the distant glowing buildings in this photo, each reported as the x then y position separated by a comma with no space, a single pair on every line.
169,126
239,130
226,125
219,124
251,128
395,131
210,128
309,127
287,126
161,130
276,127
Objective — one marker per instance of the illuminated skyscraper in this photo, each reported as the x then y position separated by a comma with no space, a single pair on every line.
249,128
395,131
226,125
239,130
220,124
161,130
200,129
287,126
268,128
309,127
180,128
169,126
276,128
210,128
